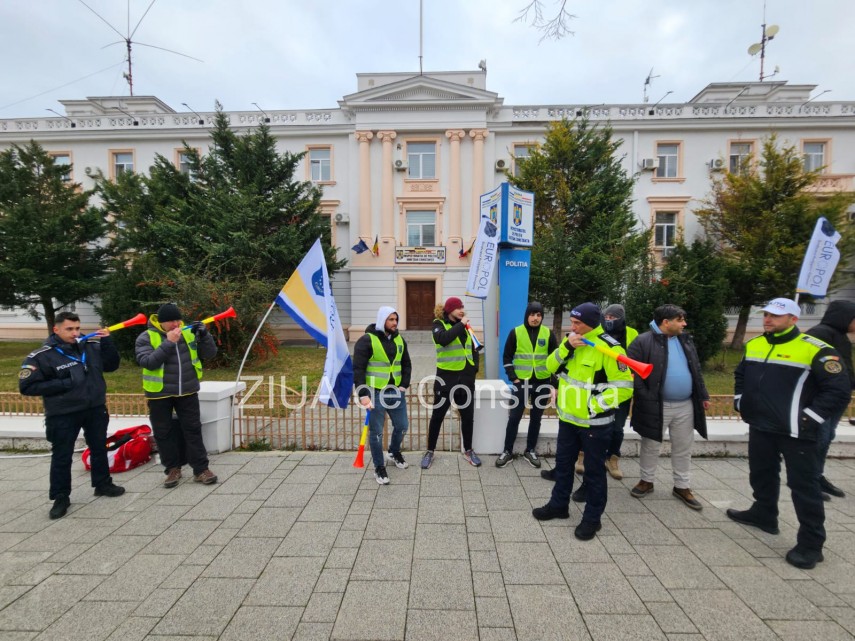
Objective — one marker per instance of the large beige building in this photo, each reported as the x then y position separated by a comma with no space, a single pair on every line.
405,157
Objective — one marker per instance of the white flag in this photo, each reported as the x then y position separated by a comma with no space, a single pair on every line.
483,260
820,260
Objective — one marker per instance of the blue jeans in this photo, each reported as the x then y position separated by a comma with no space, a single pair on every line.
827,432
393,402
593,442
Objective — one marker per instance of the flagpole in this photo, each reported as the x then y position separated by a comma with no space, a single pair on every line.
243,361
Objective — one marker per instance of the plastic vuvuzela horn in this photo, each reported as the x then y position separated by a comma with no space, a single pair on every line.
139,319
229,313
359,460
642,369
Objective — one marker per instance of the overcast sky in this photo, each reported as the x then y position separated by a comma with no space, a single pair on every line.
293,54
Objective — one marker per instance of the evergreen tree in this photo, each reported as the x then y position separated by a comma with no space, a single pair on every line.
51,249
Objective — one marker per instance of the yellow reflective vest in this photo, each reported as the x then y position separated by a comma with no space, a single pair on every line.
153,378
454,356
380,368
531,360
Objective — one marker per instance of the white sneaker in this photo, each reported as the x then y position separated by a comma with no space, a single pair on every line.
398,460
380,475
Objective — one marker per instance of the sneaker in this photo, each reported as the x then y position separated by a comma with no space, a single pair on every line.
548,475
580,464
642,488
109,489
397,459
830,488
380,475
206,477
472,458
531,457
427,459
547,513
685,495
504,458
586,530
746,517
581,494
804,559
60,507
172,477
612,467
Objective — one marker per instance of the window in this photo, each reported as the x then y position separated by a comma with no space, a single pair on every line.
62,159
320,163
520,151
123,161
740,153
669,155
421,228
184,164
421,158
665,231
814,156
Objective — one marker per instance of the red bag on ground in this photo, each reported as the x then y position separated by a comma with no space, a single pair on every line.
126,449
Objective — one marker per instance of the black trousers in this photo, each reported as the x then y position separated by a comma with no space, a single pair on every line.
534,391
462,392
765,450
62,432
182,443
593,441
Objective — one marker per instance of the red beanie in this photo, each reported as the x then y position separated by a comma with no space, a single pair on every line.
451,304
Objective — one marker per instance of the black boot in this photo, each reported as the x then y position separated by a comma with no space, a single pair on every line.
581,494
829,488
60,507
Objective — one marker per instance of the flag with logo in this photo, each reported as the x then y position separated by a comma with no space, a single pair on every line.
307,298
360,247
820,260
483,260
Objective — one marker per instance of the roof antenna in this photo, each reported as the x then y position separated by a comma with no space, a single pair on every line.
647,83
128,40
421,34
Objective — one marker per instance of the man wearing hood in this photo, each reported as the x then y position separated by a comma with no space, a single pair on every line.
381,375
69,376
838,320
171,356
526,350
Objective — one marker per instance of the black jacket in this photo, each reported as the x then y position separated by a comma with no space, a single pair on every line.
647,419
443,337
832,330
363,350
65,384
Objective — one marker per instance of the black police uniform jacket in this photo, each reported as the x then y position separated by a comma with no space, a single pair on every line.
67,385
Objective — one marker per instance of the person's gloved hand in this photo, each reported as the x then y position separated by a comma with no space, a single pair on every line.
199,330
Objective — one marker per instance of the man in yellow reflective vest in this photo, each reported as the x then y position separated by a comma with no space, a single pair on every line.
591,386
170,355
381,375
524,358
787,385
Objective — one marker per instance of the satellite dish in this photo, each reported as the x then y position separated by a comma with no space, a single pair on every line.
754,49
771,30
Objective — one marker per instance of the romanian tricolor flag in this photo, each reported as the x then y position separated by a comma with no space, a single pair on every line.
307,298
375,249
463,253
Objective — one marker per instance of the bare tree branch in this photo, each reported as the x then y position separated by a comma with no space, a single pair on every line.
554,28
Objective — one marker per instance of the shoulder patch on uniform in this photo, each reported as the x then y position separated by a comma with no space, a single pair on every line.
622,366
609,340
25,373
807,338
43,348
833,367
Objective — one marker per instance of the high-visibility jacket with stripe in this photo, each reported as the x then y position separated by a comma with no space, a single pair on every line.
530,360
590,385
454,356
790,383
380,368
153,378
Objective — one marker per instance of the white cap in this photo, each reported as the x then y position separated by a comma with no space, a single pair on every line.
781,306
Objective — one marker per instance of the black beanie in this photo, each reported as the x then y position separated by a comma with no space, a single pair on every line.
168,312
588,313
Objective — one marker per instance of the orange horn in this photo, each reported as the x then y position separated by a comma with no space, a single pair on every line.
139,319
229,313
642,369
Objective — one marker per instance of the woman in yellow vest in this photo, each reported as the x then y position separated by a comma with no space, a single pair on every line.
381,375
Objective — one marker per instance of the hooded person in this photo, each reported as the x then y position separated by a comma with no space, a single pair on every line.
381,376
456,367
171,356
837,322
524,359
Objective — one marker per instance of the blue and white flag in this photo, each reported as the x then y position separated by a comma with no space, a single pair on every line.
483,260
820,260
307,298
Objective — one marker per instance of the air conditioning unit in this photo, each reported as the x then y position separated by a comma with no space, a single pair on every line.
342,219
400,164
717,164
650,163
501,164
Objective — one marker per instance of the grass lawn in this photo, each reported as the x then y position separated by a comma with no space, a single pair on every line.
291,362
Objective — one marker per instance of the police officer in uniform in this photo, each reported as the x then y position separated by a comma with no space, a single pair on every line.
381,375
524,357
69,376
591,386
787,385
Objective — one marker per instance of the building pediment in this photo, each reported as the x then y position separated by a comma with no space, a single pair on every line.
421,91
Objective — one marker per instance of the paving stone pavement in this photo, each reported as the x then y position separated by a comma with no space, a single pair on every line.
303,546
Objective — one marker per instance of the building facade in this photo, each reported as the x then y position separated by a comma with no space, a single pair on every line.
404,159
